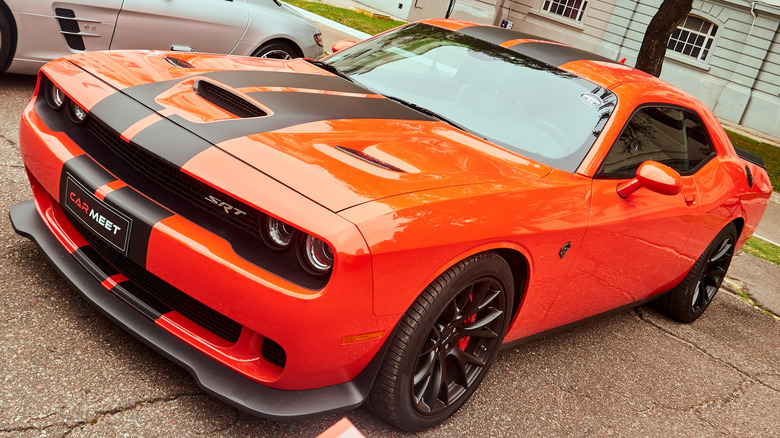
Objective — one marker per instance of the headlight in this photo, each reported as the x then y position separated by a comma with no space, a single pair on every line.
76,113
315,256
54,96
277,234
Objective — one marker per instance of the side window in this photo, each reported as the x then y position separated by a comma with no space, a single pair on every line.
668,135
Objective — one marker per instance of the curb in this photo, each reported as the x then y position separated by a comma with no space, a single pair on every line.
373,15
732,286
358,35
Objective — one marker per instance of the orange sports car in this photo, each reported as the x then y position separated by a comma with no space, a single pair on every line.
306,236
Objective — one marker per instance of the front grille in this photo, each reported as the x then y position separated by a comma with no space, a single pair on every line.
177,300
70,28
273,353
227,100
170,177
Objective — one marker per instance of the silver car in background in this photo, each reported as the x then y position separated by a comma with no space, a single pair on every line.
33,32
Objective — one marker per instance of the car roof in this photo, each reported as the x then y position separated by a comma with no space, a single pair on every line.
595,68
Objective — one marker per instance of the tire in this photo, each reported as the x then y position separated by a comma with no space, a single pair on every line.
7,37
694,294
436,359
276,50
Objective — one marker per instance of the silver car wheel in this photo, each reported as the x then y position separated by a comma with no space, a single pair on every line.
277,54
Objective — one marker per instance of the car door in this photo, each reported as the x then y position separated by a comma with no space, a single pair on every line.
636,247
48,31
214,26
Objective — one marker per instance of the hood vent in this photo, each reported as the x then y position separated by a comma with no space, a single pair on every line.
369,159
176,62
227,100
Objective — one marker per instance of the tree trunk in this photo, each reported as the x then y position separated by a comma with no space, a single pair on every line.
670,14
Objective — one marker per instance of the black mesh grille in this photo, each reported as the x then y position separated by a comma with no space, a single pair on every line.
170,177
75,42
274,353
177,300
227,100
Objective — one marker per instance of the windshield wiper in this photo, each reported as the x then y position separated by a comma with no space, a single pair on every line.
330,68
428,112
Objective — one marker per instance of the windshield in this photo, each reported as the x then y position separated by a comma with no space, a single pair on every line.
512,100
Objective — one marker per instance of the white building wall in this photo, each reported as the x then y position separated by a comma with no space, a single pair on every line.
528,16
739,79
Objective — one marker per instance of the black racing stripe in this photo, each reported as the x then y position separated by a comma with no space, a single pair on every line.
552,54
145,214
555,54
87,172
241,79
171,143
292,109
140,300
497,35
96,265
147,93
120,111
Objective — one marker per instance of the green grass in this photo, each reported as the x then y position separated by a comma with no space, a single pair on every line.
353,19
770,154
763,249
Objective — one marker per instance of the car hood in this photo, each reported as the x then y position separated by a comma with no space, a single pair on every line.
325,137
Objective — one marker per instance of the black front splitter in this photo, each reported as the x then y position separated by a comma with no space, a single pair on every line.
211,376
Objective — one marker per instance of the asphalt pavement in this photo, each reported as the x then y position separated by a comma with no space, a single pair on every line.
67,371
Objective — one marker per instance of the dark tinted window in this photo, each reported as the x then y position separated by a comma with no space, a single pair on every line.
667,135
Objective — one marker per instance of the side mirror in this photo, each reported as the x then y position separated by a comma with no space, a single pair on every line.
341,45
654,176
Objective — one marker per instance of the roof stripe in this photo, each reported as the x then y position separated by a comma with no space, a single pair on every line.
541,49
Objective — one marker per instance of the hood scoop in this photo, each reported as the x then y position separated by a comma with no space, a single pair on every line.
227,100
176,62
369,159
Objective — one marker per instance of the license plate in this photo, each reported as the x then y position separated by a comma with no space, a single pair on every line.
110,224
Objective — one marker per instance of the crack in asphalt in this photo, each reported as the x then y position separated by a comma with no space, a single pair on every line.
11,142
14,165
99,415
642,317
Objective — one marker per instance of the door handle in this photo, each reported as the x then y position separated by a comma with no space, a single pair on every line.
690,198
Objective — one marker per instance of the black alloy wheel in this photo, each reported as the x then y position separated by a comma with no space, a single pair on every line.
445,344
714,272
693,295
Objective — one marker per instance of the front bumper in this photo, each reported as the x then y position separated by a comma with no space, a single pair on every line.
211,376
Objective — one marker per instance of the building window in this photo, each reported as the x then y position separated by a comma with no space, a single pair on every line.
693,37
573,9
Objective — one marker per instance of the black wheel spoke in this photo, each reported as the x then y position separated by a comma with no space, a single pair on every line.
709,281
723,251
458,366
427,393
484,296
425,369
481,327
715,271
703,297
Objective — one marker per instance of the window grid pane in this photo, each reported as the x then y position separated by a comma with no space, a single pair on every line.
693,38
573,9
